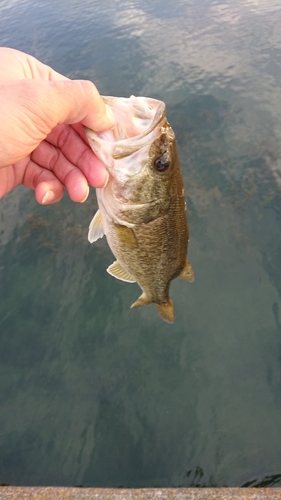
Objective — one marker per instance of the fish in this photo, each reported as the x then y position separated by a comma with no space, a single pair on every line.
142,208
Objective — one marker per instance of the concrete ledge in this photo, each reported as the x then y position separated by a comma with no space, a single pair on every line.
50,493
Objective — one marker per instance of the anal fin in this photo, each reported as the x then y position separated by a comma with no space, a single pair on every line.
117,270
141,301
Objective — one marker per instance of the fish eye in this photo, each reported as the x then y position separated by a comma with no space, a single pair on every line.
162,163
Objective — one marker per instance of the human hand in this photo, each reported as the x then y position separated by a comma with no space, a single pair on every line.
42,143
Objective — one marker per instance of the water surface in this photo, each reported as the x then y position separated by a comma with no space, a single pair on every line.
91,392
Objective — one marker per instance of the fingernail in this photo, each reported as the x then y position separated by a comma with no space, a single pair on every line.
86,195
110,115
48,197
106,180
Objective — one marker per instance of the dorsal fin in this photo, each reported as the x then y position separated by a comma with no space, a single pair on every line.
187,273
96,229
117,270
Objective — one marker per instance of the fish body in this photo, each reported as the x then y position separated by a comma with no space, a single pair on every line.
142,208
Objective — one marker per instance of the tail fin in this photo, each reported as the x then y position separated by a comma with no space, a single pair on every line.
166,311
187,272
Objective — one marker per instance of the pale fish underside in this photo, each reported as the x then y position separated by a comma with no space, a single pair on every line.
142,208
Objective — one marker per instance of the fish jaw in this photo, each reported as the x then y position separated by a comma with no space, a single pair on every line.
137,125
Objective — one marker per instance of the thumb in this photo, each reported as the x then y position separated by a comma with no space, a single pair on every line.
77,101
30,109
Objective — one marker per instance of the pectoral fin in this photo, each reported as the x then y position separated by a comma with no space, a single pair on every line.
187,273
126,236
166,311
96,229
118,271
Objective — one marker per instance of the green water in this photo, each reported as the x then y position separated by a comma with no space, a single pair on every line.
93,393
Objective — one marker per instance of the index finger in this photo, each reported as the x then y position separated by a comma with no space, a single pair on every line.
69,141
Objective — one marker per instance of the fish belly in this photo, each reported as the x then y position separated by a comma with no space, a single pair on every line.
153,253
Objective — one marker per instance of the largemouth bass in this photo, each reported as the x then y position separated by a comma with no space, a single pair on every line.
142,208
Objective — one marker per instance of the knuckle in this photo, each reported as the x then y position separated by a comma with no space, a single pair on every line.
63,136
54,159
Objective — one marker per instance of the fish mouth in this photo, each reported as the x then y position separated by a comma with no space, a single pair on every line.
137,123
142,112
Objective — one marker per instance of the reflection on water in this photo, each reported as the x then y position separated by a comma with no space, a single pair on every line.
92,392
